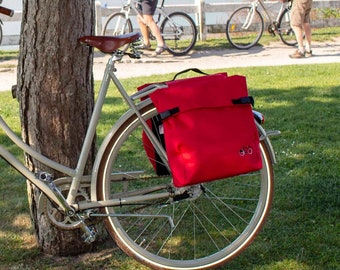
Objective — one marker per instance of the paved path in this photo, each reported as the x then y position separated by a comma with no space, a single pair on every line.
271,55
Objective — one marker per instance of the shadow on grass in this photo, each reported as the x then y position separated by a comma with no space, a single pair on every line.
302,230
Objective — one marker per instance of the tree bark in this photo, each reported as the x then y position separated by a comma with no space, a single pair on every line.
55,92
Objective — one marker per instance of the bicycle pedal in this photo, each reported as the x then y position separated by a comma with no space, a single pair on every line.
89,235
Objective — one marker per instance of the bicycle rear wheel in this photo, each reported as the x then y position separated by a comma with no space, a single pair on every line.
179,33
244,28
284,29
210,228
117,24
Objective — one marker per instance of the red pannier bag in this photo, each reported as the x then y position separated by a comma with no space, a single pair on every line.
156,162
157,128
209,128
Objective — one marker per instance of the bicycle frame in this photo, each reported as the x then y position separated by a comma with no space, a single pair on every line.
262,4
6,11
47,186
160,12
44,182
254,5
132,4
80,211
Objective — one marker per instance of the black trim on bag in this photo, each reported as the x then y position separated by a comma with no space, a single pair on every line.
244,100
160,167
168,113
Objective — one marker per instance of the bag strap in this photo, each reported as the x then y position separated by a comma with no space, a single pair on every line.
190,69
163,115
244,100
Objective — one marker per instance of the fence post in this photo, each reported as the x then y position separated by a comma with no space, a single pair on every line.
98,15
202,29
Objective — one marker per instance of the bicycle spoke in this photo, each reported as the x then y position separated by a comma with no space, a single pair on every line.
244,27
211,222
179,32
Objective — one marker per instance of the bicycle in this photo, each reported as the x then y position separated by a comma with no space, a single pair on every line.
6,11
177,29
245,25
164,227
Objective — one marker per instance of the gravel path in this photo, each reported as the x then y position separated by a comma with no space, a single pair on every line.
271,55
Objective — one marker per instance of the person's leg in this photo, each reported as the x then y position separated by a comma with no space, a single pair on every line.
297,17
143,28
299,37
145,32
154,29
307,28
149,8
308,36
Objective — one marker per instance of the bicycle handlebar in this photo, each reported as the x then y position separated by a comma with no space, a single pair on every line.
6,11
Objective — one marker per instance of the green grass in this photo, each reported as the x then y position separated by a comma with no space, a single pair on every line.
302,232
8,55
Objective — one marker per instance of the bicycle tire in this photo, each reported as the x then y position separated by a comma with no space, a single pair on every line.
232,210
179,33
117,24
237,35
285,30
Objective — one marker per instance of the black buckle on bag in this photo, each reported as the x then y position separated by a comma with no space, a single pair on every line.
244,100
168,113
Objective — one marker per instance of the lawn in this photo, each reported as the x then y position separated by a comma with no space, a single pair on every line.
219,41
302,232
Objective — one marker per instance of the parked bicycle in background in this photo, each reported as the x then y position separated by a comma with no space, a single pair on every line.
6,11
177,28
246,24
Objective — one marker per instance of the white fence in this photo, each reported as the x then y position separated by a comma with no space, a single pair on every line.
208,17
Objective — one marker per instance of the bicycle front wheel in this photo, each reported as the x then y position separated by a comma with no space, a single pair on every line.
284,29
244,28
117,24
179,33
206,229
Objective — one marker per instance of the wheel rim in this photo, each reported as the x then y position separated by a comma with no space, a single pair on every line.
232,211
244,29
179,40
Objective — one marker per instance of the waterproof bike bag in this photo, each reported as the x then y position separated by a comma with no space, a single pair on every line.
209,129
157,128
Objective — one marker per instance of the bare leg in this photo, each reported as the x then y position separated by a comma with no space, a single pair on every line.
308,35
299,37
154,29
145,32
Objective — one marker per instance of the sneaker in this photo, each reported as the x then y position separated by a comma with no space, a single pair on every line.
297,54
308,54
159,50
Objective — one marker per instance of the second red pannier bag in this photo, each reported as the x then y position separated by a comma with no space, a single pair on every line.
209,129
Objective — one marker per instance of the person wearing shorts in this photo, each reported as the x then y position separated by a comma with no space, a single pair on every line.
300,22
147,8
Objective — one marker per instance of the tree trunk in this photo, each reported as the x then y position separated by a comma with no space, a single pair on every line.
55,92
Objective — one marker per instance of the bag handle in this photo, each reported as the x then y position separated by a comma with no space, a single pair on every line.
190,69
